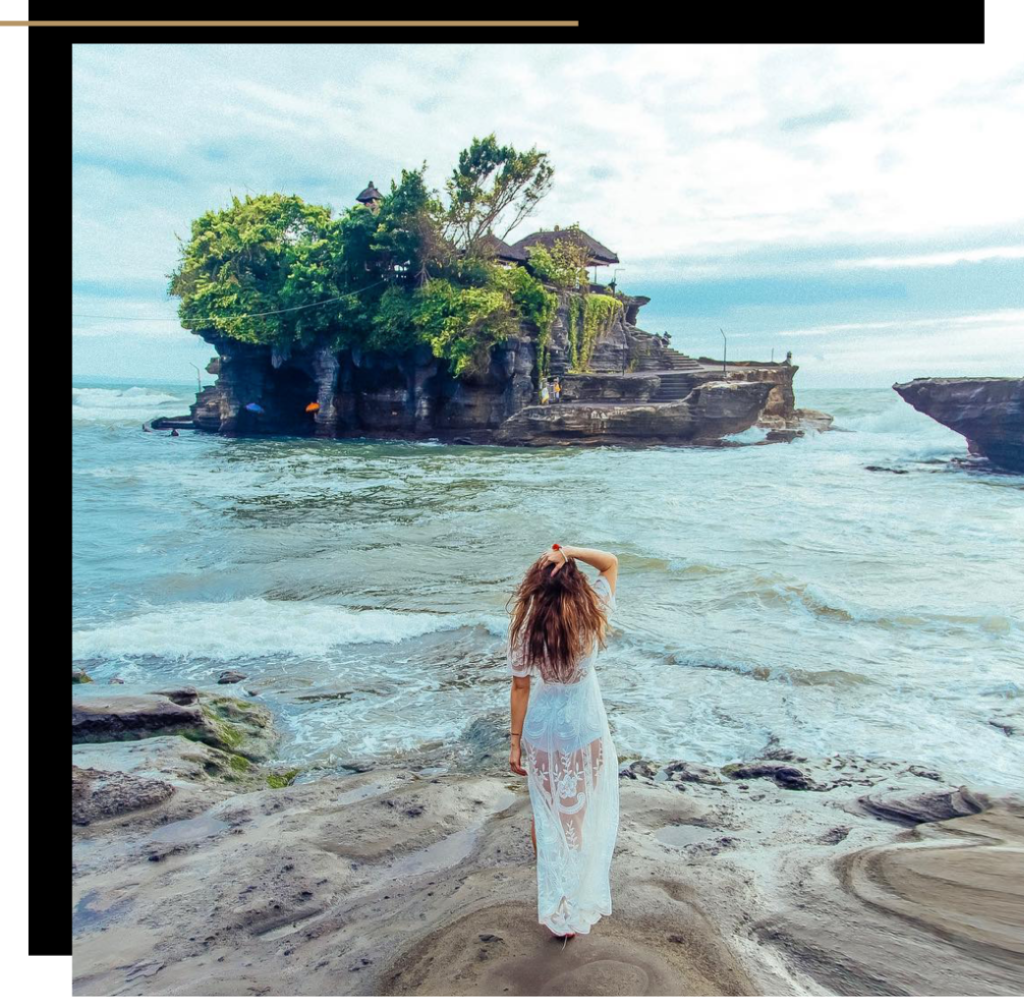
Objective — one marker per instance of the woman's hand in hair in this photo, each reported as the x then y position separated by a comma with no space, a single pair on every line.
605,562
553,557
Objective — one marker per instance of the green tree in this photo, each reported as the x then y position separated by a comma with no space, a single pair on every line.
407,240
493,187
239,272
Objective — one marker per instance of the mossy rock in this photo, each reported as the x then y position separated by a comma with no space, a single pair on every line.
278,780
226,766
78,677
246,730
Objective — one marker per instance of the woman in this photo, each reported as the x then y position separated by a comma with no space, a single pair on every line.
562,743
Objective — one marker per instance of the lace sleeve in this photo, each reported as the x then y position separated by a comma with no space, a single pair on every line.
516,663
604,594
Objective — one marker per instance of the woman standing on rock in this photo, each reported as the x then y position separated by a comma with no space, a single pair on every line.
562,743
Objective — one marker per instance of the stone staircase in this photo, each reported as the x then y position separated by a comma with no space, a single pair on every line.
677,384
666,358
678,374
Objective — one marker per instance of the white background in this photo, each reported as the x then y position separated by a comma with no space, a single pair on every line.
40,975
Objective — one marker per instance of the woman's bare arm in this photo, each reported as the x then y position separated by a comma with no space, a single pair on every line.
607,564
520,698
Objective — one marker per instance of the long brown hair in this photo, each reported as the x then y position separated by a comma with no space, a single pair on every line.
556,617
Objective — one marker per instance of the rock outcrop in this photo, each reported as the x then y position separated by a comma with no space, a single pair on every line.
98,795
988,411
636,389
709,412
220,721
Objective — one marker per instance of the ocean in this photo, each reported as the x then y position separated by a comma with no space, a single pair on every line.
768,594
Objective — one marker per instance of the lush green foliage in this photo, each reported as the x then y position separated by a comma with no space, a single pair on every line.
462,324
276,271
533,303
259,256
590,317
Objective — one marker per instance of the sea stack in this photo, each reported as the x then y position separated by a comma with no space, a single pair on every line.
988,411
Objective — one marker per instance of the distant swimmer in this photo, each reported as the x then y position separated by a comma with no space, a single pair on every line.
174,432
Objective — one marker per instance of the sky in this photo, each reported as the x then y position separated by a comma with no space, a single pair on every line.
860,206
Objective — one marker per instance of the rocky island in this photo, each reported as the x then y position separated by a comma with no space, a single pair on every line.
988,411
404,318
634,389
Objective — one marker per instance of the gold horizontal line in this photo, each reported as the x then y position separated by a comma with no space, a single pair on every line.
287,24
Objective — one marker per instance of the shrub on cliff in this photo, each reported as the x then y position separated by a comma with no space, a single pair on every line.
246,265
591,316
565,263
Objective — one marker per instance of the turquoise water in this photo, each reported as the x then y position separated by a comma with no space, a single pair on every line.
764,591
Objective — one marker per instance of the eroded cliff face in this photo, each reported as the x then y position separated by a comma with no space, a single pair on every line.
637,389
361,393
988,411
709,412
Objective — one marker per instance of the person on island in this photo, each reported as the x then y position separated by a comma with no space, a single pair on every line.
558,390
544,393
560,736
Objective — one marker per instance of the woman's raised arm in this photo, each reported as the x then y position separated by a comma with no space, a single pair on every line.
606,563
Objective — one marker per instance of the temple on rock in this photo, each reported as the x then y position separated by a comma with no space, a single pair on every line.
618,383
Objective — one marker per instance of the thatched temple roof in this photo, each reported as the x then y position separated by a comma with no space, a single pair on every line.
599,255
490,243
370,194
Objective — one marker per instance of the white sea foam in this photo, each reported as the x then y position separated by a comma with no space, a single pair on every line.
897,417
123,405
257,628
752,434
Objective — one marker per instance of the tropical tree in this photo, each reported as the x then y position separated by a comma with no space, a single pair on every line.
248,271
493,188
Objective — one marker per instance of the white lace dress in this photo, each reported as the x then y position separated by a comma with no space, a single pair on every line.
573,775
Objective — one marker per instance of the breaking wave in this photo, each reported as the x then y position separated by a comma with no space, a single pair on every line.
897,417
249,628
123,405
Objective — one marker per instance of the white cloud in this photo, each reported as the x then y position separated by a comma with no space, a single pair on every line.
934,259
1000,318
704,152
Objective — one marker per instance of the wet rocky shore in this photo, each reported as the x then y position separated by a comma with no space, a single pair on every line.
201,866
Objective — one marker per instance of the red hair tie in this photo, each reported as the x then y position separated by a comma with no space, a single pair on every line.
556,547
